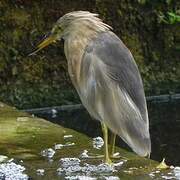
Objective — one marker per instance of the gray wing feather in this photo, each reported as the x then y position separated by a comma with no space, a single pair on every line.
112,91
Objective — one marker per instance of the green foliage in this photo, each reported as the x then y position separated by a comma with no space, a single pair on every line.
169,18
37,95
142,2
43,80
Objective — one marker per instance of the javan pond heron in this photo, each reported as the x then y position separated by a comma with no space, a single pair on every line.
106,77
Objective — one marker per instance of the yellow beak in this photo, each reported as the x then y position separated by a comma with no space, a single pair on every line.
43,44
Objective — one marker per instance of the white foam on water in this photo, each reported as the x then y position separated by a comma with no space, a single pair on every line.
67,162
118,163
167,177
176,171
54,113
111,178
98,142
12,171
116,154
68,136
91,178
3,158
151,174
60,146
69,144
74,166
84,154
22,119
1,105
49,153
80,178
173,174
40,172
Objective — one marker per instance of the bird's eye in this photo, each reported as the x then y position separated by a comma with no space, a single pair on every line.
57,29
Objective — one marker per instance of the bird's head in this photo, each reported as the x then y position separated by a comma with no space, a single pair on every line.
77,21
56,33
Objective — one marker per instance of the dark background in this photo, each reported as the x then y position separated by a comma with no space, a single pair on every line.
149,28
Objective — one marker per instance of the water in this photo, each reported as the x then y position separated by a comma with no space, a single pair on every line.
164,128
165,131
41,149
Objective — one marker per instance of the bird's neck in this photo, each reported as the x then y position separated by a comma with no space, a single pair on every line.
74,47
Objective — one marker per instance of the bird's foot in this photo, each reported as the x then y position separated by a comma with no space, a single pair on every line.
108,161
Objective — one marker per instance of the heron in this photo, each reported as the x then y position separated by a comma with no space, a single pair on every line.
106,78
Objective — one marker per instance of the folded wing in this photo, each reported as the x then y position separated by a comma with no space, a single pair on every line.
112,91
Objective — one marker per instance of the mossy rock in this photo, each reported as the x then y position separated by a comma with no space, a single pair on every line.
24,138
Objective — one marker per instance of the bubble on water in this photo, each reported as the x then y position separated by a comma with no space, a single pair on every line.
98,142
66,162
105,168
88,168
2,105
60,171
68,136
151,174
3,158
74,165
49,153
12,171
111,178
116,154
128,171
60,146
54,113
167,177
177,168
176,171
11,160
80,178
22,119
84,154
118,163
173,174
71,167
2,175
40,172
69,144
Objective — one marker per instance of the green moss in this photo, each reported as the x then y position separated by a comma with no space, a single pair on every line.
24,137
18,16
38,95
43,79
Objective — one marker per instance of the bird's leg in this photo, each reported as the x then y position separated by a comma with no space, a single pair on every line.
112,144
105,135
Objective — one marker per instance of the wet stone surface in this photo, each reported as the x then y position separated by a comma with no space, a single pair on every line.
34,148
